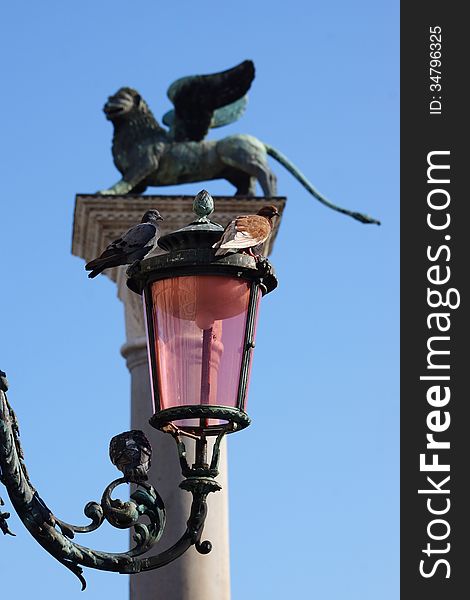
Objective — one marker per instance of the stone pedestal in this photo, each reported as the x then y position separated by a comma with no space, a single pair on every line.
99,220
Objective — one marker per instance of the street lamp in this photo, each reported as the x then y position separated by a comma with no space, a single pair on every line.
201,313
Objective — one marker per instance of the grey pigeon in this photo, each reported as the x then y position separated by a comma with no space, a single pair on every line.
131,247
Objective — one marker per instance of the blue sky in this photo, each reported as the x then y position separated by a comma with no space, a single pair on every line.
314,480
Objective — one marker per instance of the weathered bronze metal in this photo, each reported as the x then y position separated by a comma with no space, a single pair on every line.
148,155
236,418
56,536
4,515
131,453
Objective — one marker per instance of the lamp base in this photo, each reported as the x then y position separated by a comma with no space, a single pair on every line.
194,419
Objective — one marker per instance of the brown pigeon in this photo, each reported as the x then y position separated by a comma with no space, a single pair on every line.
247,232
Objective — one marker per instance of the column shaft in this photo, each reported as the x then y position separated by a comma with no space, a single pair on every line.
192,576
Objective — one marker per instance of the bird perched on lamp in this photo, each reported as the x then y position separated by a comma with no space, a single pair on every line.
247,233
131,247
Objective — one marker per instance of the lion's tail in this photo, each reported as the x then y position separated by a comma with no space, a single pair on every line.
285,162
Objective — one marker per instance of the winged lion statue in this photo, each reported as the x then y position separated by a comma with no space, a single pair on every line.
147,154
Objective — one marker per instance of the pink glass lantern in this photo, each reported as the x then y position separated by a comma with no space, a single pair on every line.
201,333
199,326
201,312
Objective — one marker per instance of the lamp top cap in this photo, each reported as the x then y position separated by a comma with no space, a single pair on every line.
200,233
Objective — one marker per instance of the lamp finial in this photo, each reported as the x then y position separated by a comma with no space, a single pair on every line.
203,206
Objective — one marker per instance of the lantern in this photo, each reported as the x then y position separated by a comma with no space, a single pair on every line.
201,312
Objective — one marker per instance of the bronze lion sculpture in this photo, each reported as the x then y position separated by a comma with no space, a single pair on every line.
146,154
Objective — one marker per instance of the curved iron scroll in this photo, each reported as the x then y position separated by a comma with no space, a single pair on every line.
56,536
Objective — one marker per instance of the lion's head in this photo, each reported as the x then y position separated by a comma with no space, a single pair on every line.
126,102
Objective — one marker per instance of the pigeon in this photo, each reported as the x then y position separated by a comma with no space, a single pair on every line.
131,247
247,233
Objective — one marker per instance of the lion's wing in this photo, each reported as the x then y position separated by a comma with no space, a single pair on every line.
204,101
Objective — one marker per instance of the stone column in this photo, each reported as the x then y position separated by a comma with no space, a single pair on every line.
192,576
98,220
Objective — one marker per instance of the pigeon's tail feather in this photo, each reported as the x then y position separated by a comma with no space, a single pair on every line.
105,262
92,265
94,273
221,251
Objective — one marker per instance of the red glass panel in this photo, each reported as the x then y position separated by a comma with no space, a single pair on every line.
199,329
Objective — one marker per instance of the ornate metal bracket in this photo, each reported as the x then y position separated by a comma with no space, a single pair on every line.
130,452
